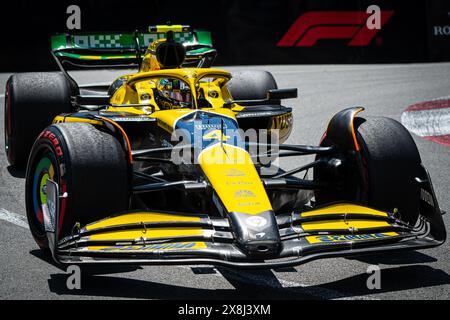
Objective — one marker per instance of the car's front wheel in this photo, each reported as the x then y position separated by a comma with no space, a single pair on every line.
88,165
382,174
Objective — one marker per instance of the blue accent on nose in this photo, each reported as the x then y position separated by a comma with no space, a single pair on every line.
200,123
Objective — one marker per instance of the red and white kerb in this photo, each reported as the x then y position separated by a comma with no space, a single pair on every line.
430,120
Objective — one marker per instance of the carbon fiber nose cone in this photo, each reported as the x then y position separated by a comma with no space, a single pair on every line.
257,235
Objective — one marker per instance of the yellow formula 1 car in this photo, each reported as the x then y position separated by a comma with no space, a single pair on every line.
158,166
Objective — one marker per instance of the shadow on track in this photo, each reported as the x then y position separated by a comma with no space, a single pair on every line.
397,258
394,280
86,270
98,282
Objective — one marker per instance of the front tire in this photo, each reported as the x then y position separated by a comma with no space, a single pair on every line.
382,175
88,164
392,162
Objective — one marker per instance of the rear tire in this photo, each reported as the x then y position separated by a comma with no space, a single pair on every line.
32,100
88,164
251,85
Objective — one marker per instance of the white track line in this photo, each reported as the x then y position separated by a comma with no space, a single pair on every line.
2,95
14,218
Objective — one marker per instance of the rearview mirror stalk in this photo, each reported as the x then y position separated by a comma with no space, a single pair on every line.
273,96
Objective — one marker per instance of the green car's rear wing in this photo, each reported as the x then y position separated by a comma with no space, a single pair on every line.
125,49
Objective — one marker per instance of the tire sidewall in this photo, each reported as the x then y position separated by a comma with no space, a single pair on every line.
8,125
50,140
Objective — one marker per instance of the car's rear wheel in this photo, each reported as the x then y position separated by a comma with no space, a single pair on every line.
32,100
254,85
87,164
386,179
251,85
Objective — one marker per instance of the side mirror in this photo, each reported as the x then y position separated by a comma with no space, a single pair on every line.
272,95
92,100
280,94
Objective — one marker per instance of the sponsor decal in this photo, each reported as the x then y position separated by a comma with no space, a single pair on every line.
165,143
359,27
284,121
249,204
51,136
234,173
98,41
208,126
239,183
427,197
213,94
216,135
158,247
133,119
256,222
439,31
47,134
255,114
349,237
121,40
244,194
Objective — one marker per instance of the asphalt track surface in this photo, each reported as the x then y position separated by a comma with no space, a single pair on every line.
385,90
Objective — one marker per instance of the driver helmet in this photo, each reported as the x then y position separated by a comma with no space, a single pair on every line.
176,90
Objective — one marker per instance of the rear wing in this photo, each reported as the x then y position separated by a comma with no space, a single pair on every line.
125,49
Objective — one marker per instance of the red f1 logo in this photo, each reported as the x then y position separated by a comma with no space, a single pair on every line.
315,25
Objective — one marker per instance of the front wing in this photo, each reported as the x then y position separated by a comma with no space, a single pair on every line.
165,238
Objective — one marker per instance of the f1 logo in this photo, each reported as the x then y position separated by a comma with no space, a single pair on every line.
359,26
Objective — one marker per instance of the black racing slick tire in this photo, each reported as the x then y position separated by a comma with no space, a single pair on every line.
392,163
251,85
32,100
89,166
385,178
